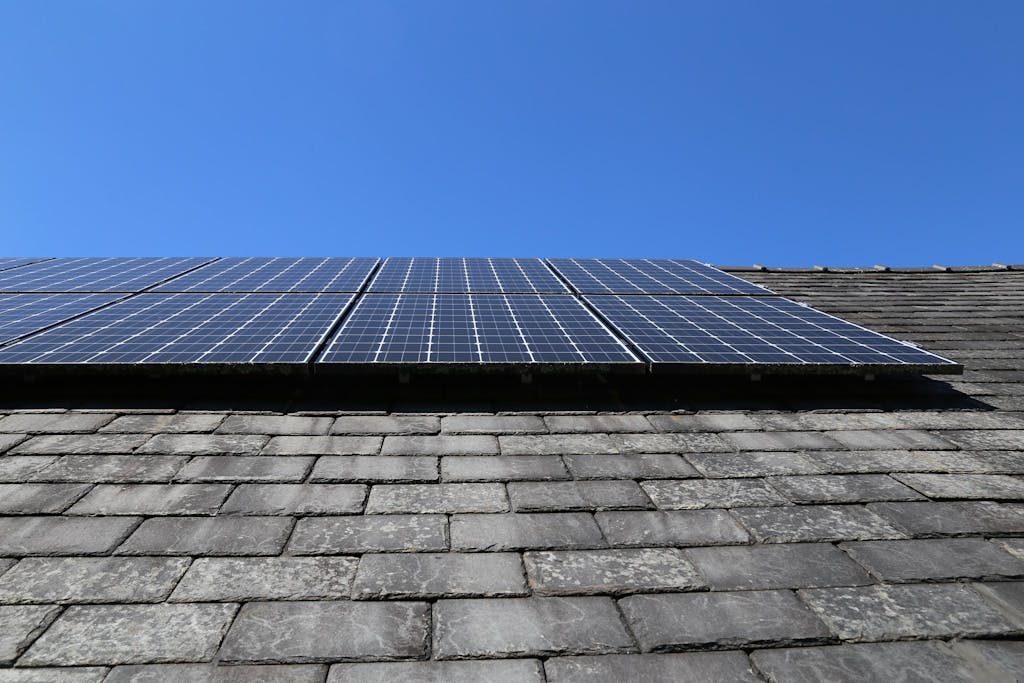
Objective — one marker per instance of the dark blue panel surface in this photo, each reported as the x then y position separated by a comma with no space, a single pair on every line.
485,328
9,262
189,328
261,274
91,274
650,276
466,275
711,329
22,314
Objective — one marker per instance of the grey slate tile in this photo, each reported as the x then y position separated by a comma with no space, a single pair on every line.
80,444
694,494
286,632
90,580
677,528
49,423
473,444
20,625
741,619
9,441
705,422
208,536
886,439
373,469
693,442
590,424
203,444
691,667
783,565
5,564
1007,596
492,424
987,439
111,469
436,498
610,572
812,523
934,559
902,611
243,579
952,518
438,575
999,657
520,531
470,671
386,424
629,466
275,425
323,445
164,424
928,661
296,499
754,464
152,499
533,496
130,634
34,499
18,468
24,536
821,421
230,468
516,627
503,468
840,462
840,488
969,486
212,673
369,534
65,674
781,441
556,444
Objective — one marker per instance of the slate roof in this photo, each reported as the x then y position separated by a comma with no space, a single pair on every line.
682,530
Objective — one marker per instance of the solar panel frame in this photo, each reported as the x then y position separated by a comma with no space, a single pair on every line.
8,262
651,276
22,315
469,275
245,274
95,274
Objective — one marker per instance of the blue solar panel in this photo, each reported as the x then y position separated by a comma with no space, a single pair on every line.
650,276
466,275
13,262
189,328
22,314
745,330
258,274
484,328
91,274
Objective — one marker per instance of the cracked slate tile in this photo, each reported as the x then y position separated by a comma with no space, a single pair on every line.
164,424
690,667
296,499
212,673
934,559
90,580
25,536
34,499
694,494
928,661
674,528
970,486
522,531
630,466
18,468
784,565
244,579
840,488
152,499
374,469
9,441
20,625
323,445
368,534
208,536
610,572
80,444
438,575
807,523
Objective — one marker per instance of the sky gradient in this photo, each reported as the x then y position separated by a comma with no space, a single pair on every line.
739,132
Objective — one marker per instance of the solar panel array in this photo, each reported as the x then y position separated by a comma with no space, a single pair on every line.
336,313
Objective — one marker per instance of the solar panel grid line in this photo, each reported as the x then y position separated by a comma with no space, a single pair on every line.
96,274
650,276
12,262
277,275
451,275
25,314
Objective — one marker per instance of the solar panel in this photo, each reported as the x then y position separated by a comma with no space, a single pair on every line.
481,328
92,274
7,263
22,314
258,274
466,275
189,328
750,330
650,276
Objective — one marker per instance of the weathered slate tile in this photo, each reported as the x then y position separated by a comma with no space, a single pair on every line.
820,421
275,425
50,423
436,498
285,632
705,422
164,424
520,531
629,466
693,494
203,444
131,634
690,667
1014,546
590,424
503,468
471,671
934,559
19,626
21,536
433,575
783,565
369,534
532,496
111,469
987,439
9,441
80,444
906,611
516,627
323,445
208,536
839,462
5,564
152,499
556,444
971,486
472,444
213,673
296,499
492,424
90,579
46,674
610,572
996,462
839,488
1007,596
998,657
691,442
18,468
781,441
740,619
230,468
815,523
374,469
953,518
754,464
891,439
242,579
930,661
386,424
677,528
34,499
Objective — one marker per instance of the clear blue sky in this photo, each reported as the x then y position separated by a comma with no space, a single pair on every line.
783,133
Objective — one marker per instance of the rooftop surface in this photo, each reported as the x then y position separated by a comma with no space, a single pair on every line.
834,529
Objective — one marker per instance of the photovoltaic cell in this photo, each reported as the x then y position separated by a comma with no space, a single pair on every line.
745,330
189,328
466,275
14,262
258,274
90,274
650,276
22,314
483,328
